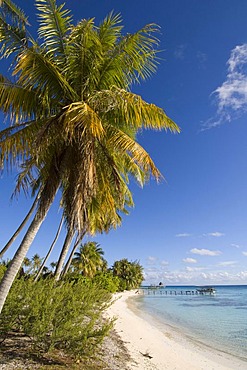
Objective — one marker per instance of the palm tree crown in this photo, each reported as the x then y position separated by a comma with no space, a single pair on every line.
89,259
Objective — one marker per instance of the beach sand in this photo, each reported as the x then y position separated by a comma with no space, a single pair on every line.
152,347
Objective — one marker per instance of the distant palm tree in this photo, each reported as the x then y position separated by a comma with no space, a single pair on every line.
89,259
74,117
131,273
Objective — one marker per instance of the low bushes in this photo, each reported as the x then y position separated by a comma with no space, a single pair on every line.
65,315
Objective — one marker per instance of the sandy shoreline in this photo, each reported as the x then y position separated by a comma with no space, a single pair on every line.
151,348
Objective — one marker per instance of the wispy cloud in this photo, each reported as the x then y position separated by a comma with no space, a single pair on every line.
216,234
235,245
183,235
231,96
205,252
227,263
244,253
189,260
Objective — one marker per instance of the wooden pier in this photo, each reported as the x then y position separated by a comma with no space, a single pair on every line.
158,291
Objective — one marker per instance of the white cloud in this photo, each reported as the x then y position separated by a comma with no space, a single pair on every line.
205,252
244,253
193,269
227,263
216,234
232,94
194,275
183,235
189,260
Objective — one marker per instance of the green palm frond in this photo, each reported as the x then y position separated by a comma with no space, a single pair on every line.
16,143
85,54
16,14
34,70
19,103
133,58
119,105
13,35
110,31
12,39
55,23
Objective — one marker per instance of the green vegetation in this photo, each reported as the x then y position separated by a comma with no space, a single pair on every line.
130,274
66,315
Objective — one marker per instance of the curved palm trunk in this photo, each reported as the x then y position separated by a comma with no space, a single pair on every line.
67,266
14,236
50,250
19,256
63,254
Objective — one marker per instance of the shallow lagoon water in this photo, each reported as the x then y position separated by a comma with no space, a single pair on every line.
218,321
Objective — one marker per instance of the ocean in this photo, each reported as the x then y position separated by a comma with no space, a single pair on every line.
217,321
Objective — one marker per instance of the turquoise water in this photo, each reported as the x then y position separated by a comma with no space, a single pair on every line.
218,321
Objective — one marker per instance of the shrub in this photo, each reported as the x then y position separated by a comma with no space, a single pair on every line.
107,281
64,316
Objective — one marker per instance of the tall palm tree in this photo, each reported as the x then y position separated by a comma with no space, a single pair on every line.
89,259
74,116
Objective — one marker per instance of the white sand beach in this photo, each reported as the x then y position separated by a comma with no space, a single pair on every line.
153,348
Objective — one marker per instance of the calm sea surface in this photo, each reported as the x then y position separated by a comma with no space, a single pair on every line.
219,321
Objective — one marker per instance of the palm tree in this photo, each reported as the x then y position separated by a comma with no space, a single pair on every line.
131,273
89,259
74,117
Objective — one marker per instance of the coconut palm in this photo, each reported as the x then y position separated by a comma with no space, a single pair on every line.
89,259
130,273
74,116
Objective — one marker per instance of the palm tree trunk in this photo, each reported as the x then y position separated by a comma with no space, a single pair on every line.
67,266
13,237
50,250
19,256
63,254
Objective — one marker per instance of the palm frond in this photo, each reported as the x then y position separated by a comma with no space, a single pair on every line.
36,71
15,144
16,13
119,105
27,178
55,23
131,59
85,53
110,31
80,116
12,39
20,103
123,143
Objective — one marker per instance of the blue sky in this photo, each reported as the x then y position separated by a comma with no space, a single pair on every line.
191,227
